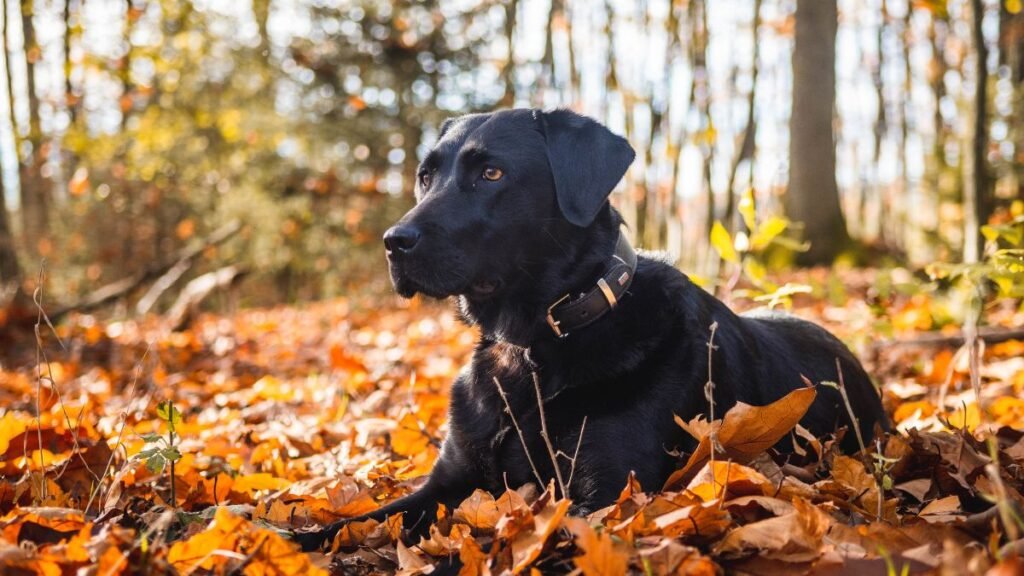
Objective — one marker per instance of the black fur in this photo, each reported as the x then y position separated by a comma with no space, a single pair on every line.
507,249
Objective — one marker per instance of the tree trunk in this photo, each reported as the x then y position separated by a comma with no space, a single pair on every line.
748,143
813,196
34,191
70,100
508,70
977,196
10,272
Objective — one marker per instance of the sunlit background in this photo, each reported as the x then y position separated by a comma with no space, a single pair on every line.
131,130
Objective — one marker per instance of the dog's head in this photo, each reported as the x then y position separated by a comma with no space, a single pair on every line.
497,195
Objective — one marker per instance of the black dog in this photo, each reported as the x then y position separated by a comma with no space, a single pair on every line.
513,220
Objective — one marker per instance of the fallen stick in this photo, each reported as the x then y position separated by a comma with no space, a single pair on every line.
990,334
197,290
119,288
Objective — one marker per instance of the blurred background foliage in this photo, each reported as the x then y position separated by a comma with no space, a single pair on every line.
133,129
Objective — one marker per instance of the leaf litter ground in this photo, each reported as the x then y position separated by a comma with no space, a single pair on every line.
292,418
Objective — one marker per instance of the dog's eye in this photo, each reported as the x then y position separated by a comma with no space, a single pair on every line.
425,178
492,174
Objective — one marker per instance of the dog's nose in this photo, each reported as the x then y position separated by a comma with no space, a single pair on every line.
401,239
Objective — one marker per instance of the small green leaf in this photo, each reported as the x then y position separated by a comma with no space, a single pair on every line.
156,464
148,453
151,437
171,454
168,413
722,243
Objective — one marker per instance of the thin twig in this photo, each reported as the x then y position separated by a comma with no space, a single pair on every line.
576,453
849,407
120,432
879,474
37,297
709,393
973,344
547,438
519,431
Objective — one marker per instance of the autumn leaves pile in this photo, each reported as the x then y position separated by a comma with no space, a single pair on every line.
293,418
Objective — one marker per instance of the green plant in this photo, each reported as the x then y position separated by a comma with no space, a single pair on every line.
165,451
748,254
999,273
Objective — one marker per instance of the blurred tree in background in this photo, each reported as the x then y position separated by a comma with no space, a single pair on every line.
133,129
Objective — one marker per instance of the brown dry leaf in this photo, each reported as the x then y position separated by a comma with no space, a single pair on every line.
16,560
479,511
410,563
368,532
747,431
726,480
263,549
624,517
601,556
943,510
860,486
698,427
703,520
511,502
45,524
408,438
795,537
528,544
474,561
670,558
440,545
348,500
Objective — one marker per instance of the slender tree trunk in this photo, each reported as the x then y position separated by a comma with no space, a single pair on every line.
508,70
977,196
261,12
813,196
574,71
1011,37
937,159
34,190
881,128
702,98
10,272
748,142
10,82
70,99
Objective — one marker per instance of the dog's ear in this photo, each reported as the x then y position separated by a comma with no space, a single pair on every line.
587,161
445,126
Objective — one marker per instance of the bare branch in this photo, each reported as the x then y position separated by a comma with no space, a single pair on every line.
522,439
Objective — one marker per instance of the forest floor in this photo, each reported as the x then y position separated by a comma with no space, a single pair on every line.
294,417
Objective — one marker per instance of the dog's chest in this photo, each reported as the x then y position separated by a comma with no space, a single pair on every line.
501,426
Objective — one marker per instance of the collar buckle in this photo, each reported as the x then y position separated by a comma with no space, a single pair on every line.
554,324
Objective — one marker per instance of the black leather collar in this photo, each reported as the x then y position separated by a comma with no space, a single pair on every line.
567,315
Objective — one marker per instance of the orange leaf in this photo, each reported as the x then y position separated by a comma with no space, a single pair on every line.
794,537
601,557
528,544
747,431
718,477
479,511
250,483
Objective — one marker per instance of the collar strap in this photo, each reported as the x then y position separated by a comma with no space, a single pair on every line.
567,315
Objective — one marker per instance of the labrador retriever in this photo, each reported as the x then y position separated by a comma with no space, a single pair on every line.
513,222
